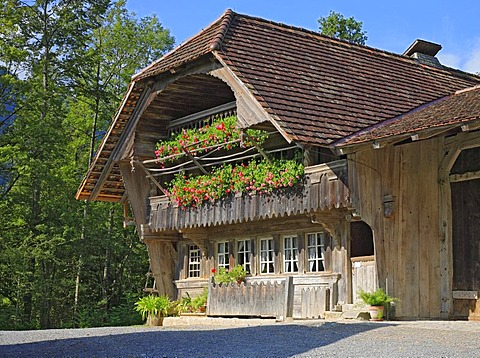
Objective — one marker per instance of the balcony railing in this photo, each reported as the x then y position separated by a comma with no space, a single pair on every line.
325,188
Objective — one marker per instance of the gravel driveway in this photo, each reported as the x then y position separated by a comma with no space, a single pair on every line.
249,339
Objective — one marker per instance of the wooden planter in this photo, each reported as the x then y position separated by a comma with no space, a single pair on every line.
156,320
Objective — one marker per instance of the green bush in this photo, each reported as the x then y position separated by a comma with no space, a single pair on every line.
196,304
153,305
236,274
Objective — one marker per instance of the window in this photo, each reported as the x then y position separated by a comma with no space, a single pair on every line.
290,254
244,254
193,261
315,252
223,255
266,256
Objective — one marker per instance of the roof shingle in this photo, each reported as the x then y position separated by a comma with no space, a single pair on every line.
327,87
459,108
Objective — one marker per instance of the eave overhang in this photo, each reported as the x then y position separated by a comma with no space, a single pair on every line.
458,112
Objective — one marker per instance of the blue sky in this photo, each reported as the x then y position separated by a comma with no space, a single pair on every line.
390,25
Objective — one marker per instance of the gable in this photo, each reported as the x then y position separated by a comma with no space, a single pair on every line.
313,89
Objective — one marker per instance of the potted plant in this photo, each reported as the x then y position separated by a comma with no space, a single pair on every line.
193,306
154,308
377,300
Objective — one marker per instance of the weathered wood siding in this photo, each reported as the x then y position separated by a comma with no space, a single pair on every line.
326,188
364,275
407,242
314,294
272,298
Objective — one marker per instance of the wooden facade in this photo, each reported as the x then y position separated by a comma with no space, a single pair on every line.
412,201
390,196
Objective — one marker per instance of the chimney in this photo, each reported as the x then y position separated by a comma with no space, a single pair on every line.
424,52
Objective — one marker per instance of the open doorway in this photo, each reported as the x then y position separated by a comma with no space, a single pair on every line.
465,191
364,276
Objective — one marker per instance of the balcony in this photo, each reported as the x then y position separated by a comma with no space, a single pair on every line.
325,188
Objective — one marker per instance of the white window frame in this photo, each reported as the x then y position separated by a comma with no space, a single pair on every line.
223,255
315,253
266,256
291,253
194,261
244,254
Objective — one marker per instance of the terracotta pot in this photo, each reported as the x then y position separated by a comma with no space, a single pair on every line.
376,313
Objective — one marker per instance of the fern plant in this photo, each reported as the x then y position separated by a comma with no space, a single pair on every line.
376,298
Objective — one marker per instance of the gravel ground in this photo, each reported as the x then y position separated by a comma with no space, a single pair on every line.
297,339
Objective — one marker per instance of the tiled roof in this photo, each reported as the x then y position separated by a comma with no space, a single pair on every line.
318,89
112,189
200,44
454,110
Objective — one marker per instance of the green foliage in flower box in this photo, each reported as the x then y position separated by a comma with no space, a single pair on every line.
258,176
236,274
220,131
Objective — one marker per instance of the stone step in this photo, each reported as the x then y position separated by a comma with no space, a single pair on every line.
361,315
332,315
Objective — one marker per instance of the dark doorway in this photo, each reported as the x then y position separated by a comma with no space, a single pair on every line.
466,232
362,239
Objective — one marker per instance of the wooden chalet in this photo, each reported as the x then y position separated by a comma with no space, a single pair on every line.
391,193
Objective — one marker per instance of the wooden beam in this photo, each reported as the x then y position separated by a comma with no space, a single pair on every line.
249,111
145,99
202,114
150,176
455,178
201,66
194,160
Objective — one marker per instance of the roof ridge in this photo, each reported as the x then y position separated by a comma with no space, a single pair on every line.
217,41
468,89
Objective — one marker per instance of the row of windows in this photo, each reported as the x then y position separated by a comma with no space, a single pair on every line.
244,255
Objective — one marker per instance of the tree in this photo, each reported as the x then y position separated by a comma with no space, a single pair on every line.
65,64
337,26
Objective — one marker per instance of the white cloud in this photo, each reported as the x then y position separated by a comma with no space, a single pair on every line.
470,56
449,59
472,63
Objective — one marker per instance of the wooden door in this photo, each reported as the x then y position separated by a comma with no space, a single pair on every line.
466,248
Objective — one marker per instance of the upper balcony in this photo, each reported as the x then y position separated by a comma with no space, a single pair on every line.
325,188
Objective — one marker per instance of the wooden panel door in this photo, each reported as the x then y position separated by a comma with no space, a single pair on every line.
466,245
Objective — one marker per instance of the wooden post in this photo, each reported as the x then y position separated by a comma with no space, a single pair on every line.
162,257
288,307
209,297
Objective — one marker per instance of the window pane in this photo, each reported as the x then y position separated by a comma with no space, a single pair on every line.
244,255
266,256
193,261
315,250
223,255
290,254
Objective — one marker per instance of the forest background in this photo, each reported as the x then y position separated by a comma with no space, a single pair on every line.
64,67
